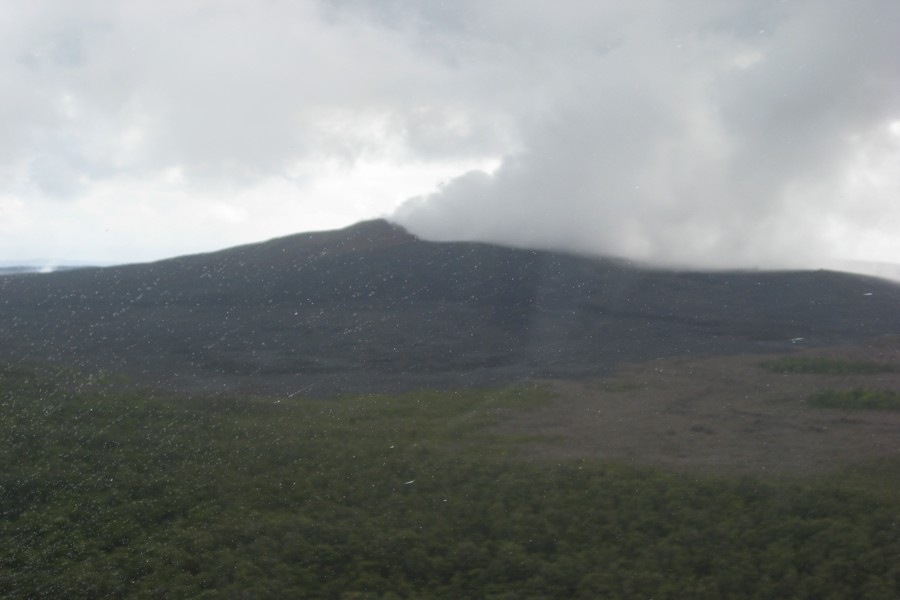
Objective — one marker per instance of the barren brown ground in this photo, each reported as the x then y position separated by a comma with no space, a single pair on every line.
723,414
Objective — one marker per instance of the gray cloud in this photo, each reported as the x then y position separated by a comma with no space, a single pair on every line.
702,132
231,92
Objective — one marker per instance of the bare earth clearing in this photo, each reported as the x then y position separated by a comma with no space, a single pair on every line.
723,414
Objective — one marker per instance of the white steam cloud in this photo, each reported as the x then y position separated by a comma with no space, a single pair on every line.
703,133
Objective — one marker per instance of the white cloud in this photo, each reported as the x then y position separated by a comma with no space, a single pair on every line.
13,215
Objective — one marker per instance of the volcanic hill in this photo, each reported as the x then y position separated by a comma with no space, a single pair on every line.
373,308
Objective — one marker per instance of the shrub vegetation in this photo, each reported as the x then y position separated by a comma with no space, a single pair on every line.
111,493
857,399
826,366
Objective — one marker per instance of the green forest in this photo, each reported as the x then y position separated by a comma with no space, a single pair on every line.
109,491
818,365
857,399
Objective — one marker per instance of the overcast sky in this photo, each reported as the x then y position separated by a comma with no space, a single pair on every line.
700,132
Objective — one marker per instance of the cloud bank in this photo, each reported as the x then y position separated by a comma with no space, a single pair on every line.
752,132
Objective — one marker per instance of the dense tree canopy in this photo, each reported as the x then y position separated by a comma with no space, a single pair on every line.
111,492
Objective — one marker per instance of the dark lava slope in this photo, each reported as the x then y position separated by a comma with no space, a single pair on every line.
372,308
